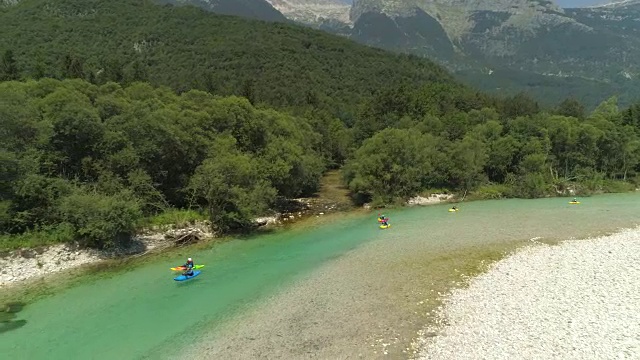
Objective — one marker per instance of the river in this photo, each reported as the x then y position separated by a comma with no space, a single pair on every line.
338,289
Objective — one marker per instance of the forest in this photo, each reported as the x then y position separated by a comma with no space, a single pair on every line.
86,156
188,48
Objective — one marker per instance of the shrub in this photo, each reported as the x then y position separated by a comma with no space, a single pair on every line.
492,191
100,220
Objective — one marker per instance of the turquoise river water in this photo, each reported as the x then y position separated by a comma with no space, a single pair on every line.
134,314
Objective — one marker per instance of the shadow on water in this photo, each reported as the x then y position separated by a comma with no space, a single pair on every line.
8,314
11,325
186,283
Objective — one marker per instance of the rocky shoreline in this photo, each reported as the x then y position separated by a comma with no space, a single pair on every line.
430,200
25,264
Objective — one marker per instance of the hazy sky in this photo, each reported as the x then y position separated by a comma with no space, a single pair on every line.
562,3
579,3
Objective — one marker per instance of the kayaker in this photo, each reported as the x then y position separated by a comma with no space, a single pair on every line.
454,208
575,200
189,266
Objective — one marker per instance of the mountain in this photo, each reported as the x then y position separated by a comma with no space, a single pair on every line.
522,45
187,47
596,47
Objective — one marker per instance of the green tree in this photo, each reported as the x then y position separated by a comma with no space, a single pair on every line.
9,67
72,67
138,72
76,128
229,185
99,220
468,159
571,107
520,104
392,164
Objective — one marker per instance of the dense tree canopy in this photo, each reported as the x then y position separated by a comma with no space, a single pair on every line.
82,155
188,48
513,141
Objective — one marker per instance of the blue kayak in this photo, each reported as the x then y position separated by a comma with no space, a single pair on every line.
185,277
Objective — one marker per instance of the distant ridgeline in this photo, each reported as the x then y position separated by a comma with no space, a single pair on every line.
115,112
497,45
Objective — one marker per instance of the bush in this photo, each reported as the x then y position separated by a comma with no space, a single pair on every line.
531,186
177,217
492,191
230,187
100,220
617,186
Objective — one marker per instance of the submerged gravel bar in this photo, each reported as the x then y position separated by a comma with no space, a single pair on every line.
576,300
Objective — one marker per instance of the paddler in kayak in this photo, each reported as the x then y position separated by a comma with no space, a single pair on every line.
189,266
382,218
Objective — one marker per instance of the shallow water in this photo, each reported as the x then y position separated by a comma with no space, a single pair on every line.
143,311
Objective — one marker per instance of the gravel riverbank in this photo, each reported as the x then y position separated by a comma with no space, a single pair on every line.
18,266
576,300
26,264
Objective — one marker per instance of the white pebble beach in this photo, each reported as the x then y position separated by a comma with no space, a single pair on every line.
579,299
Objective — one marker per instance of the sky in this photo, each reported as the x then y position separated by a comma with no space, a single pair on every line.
580,3
562,3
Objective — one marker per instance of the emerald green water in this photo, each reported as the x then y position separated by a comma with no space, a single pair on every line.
141,312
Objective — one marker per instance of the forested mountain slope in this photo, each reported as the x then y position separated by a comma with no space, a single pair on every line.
252,9
185,47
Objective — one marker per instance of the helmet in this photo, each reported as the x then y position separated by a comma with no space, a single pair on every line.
189,260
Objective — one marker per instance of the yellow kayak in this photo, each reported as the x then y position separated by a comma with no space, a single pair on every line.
385,226
453,210
182,268
574,202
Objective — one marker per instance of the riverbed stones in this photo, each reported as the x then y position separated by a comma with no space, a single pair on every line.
432,199
576,300
27,264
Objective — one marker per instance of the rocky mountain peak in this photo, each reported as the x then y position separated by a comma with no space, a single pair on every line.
402,7
459,17
313,11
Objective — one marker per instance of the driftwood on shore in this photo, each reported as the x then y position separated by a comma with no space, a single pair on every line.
187,236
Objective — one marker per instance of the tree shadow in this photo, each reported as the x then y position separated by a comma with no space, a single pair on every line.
11,325
8,314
